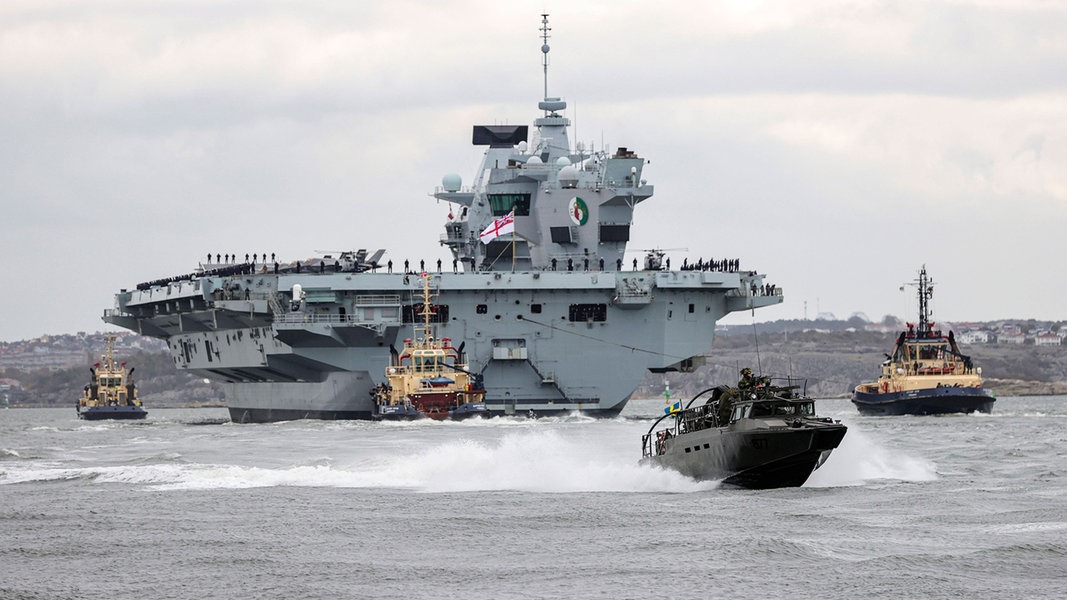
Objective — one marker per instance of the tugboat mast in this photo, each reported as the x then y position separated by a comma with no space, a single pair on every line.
926,291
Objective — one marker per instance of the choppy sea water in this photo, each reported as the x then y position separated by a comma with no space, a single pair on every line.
188,505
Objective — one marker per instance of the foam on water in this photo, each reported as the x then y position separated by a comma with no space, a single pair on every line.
861,458
494,422
533,460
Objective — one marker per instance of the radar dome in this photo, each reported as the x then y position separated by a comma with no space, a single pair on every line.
534,160
522,147
452,182
563,161
568,176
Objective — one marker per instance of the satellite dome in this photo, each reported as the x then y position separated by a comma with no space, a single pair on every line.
521,147
563,161
534,160
452,182
568,176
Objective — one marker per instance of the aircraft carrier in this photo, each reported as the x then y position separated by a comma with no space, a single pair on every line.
551,313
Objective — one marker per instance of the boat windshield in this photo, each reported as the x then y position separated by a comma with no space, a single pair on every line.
767,409
741,411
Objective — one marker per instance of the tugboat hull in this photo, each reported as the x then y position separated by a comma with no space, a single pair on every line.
100,413
402,413
930,401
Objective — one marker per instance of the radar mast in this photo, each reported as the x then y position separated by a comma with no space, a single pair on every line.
544,49
926,292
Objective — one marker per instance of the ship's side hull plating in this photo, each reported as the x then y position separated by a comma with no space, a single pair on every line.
546,342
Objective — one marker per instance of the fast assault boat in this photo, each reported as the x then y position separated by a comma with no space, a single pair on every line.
754,435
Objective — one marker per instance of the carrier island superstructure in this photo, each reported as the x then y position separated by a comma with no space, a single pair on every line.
554,316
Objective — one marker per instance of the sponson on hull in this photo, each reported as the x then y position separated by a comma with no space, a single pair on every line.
540,296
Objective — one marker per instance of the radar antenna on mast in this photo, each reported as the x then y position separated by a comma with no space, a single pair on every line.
544,48
925,287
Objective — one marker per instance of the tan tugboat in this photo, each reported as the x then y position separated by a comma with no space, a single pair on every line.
428,378
926,375
111,393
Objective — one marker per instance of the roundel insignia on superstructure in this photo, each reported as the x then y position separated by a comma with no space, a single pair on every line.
578,210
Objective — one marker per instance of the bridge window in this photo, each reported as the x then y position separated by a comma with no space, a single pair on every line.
503,203
564,235
614,233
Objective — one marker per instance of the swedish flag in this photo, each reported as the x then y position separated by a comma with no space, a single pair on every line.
676,407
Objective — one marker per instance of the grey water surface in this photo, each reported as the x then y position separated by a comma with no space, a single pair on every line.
188,505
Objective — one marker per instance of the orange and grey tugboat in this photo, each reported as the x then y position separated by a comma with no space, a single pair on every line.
428,378
927,374
111,393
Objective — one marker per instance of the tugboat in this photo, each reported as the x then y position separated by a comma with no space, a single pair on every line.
111,393
755,435
926,374
428,378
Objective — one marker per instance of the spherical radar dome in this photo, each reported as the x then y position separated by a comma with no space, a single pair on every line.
452,182
568,176
534,160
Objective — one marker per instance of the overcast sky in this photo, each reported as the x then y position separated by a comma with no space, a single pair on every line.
835,145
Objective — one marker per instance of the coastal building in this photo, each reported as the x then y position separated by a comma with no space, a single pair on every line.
1048,338
1011,336
977,336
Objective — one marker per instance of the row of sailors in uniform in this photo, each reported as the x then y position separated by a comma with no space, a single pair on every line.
232,258
247,268
731,265
243,269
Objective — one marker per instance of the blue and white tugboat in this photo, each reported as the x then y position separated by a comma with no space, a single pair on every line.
755,435
111,393
428,378
927,374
